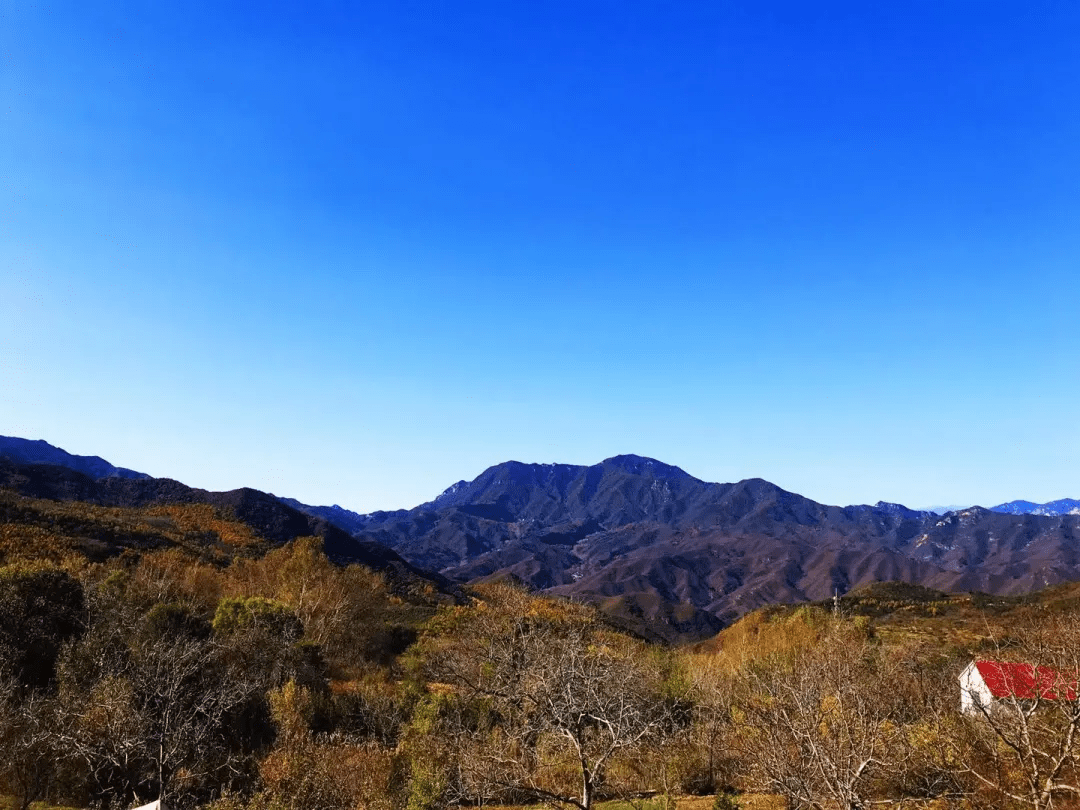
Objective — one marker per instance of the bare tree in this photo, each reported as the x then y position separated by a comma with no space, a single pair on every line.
160,724
188,696
27,743
1025,746
542,699
712,683
819,723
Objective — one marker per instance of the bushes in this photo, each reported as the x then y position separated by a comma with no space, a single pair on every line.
151,675
235,614
211,682
172,620
40,608
307,774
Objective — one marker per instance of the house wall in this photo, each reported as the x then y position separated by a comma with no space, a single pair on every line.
973,690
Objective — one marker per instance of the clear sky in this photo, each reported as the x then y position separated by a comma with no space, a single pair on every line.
355,252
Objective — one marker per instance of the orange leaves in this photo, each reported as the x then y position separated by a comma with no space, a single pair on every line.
33,528
204,518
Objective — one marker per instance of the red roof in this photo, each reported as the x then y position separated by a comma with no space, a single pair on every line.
1026,681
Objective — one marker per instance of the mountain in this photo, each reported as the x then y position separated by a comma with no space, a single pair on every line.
25,451
25,488
943,510
337,515
1064,506
651,543
653,546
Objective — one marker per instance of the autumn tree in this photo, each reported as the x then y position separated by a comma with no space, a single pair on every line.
166,703
1025,746
819,723
159,724
305,771
712,689
545,700
40,608
343,609
28,750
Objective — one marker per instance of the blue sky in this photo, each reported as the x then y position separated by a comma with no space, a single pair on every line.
354,252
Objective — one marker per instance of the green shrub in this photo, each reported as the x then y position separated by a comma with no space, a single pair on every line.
40,609
238,613
426,788
172,620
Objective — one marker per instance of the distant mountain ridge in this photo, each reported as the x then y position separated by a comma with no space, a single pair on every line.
339,516
944,510
26,451
270,519
1063,506
653,545
648,541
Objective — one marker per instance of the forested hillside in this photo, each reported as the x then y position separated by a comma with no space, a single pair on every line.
656,549
224,650
56,512
288,681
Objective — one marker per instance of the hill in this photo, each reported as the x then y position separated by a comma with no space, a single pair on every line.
53,511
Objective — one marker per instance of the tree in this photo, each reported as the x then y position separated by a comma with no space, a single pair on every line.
819,723
542,701
165,705
40,608
235,614
161,727
343,609
27,742
712,684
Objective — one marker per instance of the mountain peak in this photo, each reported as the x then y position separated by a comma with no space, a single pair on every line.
450,491
642,465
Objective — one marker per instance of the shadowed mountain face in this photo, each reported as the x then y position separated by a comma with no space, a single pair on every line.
653,544
24,451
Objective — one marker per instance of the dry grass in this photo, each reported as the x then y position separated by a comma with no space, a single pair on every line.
747,801
957,623
9,803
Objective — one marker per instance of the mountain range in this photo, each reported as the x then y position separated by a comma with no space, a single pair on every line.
675,556
1063,506
651,543
25,451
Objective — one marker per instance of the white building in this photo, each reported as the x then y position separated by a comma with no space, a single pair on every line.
985,684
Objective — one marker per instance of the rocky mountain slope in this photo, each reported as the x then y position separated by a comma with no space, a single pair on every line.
650,542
